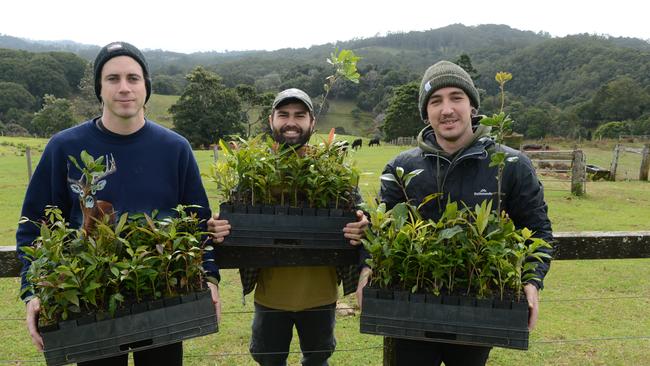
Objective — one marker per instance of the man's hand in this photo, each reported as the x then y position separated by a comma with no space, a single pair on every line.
532,295
33,308
214,291
355,230
218,228
364,276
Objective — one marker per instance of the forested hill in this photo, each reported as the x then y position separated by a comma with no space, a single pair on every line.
569,80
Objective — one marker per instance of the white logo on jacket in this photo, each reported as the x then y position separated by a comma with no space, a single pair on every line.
483,192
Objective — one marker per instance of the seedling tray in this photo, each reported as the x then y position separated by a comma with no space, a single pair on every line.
142,326
447,319
271,236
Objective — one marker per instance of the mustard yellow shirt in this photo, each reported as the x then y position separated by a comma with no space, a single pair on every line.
296,288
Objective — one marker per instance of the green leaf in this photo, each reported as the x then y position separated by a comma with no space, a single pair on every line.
388,177
71,295
411,175
87,159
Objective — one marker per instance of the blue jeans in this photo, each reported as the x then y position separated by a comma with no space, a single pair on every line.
415,353
273,330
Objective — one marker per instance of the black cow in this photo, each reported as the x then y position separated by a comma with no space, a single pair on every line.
374,141
356,144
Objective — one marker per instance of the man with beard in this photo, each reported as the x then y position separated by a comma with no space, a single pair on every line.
304,297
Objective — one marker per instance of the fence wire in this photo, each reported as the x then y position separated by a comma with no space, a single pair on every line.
356,308
611,298
540,342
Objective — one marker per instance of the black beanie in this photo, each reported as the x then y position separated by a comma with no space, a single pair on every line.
119,49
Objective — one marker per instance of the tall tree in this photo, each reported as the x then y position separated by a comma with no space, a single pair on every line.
252,101
466,63
207,110
85,104
402,115
56,115
620,99
13,95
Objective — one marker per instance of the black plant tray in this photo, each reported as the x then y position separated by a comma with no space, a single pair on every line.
144,325
271,236
447,319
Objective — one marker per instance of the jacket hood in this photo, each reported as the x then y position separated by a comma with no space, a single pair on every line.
427,138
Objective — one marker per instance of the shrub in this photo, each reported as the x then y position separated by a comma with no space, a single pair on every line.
137,258
260,171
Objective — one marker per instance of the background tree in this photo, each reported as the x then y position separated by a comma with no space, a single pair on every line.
402,116
85,104
166,85
56,115
252,102
207,110
533,122
13,95
72,66
620,99
466,63
46,76
20,117
15,130
612,130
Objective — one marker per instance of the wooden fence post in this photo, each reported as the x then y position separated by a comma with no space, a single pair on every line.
645,163
612,169
28,153
215,150
578,173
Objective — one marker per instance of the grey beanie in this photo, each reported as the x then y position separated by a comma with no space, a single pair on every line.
115,49
444,74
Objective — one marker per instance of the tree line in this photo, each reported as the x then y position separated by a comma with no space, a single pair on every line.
569,86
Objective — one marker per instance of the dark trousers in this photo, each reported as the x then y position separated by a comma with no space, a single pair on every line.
171,354
273,330
406,352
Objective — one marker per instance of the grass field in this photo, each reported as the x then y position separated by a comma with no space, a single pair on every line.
593,312
157,109
340,114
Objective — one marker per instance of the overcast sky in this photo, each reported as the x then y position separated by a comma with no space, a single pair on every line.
219,25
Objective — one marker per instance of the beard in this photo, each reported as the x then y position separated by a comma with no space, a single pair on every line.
297,141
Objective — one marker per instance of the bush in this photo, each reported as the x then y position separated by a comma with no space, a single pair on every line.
612,130
467,251
14,130
94,269
260,171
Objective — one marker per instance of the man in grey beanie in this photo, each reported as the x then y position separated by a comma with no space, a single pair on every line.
454,153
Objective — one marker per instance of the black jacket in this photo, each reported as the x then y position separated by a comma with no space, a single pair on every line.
466,177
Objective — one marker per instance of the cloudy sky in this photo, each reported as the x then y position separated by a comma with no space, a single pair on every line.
193,25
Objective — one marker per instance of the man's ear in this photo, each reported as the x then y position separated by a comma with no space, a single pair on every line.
271,121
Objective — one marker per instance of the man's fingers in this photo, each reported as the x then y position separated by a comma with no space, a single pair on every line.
33,308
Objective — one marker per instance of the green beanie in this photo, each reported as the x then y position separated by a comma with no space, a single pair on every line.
445,74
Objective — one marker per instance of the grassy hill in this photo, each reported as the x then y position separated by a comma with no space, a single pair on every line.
158,109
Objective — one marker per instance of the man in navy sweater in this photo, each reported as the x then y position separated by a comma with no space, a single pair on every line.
156,171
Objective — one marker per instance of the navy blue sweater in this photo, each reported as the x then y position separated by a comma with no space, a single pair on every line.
156,170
